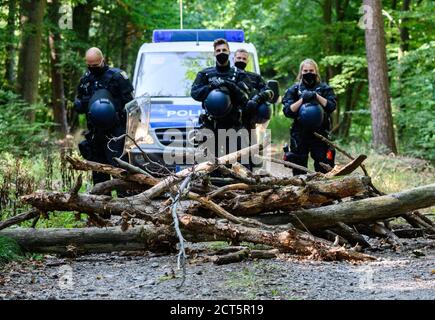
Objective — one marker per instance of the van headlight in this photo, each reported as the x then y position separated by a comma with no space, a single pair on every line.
143,136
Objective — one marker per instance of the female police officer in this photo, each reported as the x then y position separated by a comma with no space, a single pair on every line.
310,103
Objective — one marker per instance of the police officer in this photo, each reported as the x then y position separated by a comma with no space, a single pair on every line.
102,95
260,94
259,91
310,103
224,92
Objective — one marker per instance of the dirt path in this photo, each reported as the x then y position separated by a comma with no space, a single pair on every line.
409,274
405,275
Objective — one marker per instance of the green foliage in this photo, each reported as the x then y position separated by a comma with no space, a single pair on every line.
413,93
21,176
353,69
9,250
23,138
279,125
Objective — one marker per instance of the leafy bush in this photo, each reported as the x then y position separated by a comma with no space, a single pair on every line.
412,87
9,250
19,136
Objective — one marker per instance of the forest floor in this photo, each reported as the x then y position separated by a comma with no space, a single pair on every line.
409,274
405,274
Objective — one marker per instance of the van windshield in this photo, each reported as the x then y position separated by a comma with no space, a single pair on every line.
171,74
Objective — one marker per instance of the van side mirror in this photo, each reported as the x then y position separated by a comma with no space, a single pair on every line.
274,86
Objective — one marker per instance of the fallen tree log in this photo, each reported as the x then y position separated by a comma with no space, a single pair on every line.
351,235
360,211
33,213
106,187
244,254
86,165
94,240
289,198
290,241
85,203
162,238
314,193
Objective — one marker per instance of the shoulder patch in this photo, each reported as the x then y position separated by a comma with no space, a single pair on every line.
124,75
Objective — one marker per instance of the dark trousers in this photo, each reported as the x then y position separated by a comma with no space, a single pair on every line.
95,148
304,143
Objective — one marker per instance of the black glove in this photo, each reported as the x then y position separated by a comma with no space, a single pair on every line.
308,96
230,85
216,83
80,105
266,95
251,106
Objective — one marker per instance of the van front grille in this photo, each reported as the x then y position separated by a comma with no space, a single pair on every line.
177,137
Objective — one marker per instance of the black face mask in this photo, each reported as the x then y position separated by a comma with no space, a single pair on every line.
96,71
309,78
222,58
240,65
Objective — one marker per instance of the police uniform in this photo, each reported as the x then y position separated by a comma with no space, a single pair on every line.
303,142
238,94
257,85
94,148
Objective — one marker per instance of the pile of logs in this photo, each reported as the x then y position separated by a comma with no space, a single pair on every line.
323,216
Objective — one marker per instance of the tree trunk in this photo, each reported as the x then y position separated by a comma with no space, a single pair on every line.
382,120
327,19
352,96
360,211
404,32
291,240
10,45
291,198
32,13
94,240
82,17
57,87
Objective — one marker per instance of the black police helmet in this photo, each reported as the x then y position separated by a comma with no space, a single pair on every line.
102,112
264,113
218,103
311,116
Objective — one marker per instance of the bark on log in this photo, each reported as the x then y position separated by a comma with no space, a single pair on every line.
162,238
289,198
409,232
19,218
389,235
116,184
352,236
94,240
362,211
291,241
244,254
346,169
86,165
84,203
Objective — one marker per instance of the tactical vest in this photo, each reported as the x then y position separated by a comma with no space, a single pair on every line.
327,121
234,118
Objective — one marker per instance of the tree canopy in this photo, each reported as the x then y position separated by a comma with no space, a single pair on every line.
284,33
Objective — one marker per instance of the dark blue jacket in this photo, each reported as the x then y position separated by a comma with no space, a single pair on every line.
293,94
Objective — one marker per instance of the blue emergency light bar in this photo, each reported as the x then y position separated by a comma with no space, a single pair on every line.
198,35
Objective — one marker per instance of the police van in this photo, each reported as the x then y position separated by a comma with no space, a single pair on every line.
163,117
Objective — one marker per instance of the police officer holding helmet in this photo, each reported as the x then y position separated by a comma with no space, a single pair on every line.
102,95
310,103
260,94
224,94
